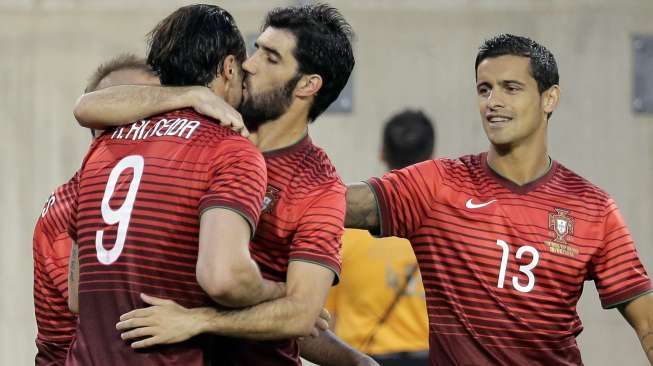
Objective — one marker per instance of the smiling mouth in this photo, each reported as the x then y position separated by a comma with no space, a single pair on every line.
498,121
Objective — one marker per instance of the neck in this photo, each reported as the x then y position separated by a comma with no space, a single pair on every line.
520,164
283,131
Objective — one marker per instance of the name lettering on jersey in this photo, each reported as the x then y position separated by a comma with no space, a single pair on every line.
179,127
270,199
562,226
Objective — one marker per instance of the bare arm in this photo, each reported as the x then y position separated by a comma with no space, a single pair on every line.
362,208
73,279
295,315
639,314
123,104
225,269
291,316
329,350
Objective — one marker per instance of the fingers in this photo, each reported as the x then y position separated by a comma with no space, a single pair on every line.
151,300
135,323
147,342
324,314
322,324
315,332
138,333
138,313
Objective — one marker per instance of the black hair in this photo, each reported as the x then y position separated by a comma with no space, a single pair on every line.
408,138
323,47
189,46
543,66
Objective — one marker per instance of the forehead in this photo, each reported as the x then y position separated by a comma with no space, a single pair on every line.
281,40
128,76
506,67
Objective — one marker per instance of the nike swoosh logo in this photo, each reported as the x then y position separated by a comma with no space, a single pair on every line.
470,204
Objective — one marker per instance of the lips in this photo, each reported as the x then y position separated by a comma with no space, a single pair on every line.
497,120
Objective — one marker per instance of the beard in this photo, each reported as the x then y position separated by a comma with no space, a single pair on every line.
258,109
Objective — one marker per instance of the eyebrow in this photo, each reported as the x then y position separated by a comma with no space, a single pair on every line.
268,49
505,82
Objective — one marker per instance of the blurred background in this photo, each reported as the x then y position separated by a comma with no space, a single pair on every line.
411,53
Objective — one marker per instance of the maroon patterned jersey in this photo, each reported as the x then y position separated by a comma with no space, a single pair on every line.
51,250
503,265
302,219
142,190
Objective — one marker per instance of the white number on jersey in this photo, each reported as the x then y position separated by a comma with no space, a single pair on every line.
122,215
527,269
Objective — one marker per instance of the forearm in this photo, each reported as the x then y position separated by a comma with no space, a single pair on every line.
639,314
279,319
251,289
645,336
329,350
119,105
362,210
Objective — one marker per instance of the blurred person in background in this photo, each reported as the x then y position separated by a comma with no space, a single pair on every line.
505,239
51,243
378,307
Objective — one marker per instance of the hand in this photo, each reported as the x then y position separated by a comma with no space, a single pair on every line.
164,322
205,102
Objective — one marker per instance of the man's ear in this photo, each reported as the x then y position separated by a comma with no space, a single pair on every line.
308,85
229,67
551,99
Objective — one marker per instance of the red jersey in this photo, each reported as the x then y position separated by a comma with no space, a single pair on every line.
503,265
51,249
143,188
302,219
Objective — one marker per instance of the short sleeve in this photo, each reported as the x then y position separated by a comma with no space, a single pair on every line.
318,238
403,196
616,269
237,180
70,196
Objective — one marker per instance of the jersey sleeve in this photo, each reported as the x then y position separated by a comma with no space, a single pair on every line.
616,269
237,180
318,238
57,263
72,193
403,196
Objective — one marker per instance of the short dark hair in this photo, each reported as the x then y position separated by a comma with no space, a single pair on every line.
126,61
408,138
323,47
543,66
189,46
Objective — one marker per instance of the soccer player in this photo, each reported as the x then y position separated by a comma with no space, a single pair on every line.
167,205
303,60
506,238
379,306
51,243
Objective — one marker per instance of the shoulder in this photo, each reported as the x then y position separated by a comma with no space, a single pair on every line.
572,184
318,172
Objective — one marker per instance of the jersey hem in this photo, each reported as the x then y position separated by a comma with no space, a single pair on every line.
381,207
330,266
233,208
628,296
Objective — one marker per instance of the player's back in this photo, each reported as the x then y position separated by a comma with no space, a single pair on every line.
143,188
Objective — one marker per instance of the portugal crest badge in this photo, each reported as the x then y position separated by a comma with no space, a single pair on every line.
270,199
563,227
561,224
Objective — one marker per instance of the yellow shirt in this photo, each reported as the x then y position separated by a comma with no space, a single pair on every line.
372,272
